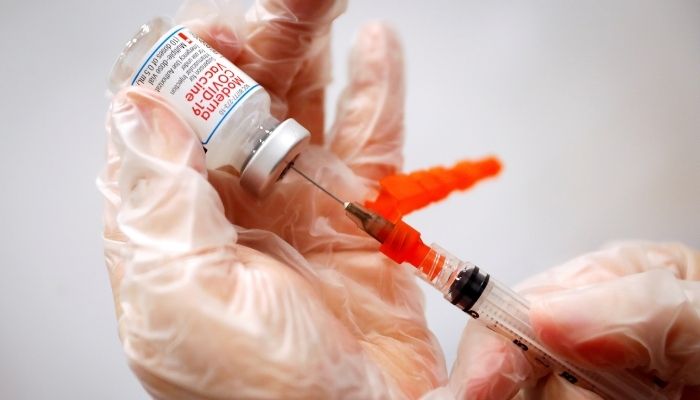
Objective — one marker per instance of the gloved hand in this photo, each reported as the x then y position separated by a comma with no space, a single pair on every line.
221,295
633,305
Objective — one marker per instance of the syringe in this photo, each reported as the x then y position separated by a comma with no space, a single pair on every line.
490,302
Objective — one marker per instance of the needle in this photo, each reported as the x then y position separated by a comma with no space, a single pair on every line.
317,185
374,224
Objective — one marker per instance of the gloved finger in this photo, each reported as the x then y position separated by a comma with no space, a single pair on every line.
613,262
649,320
554,387
284,38
488,366
113,238
166,202
219,23
306,97
368,130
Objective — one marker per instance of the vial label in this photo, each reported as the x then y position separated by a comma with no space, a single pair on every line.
199,82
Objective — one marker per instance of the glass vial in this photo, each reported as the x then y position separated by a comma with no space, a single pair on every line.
226,108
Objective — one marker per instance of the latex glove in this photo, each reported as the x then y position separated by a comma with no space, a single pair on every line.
220,295
633,305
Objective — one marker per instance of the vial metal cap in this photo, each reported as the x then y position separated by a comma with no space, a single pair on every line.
270,160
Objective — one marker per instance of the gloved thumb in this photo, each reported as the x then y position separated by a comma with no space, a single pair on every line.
648,320
167,205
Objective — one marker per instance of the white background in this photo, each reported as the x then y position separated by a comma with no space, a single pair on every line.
594,106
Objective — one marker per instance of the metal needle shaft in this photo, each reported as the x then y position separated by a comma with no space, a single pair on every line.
316,184
374,224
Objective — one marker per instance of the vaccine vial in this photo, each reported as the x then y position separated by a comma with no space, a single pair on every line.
227,109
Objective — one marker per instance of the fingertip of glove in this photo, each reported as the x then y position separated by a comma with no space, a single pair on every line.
144,103
129,97
142,120
379,36
376,61
377,29
562,325
119,101
305,11
488,366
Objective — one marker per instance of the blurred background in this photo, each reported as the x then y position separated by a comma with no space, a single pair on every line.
594,107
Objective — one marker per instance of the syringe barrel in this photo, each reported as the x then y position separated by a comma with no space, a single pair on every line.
507,313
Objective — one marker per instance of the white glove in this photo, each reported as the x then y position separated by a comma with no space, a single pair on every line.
220,295
634,305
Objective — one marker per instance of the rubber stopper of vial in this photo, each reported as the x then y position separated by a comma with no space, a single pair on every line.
270,160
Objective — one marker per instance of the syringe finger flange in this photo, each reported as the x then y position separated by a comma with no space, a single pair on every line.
467,287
